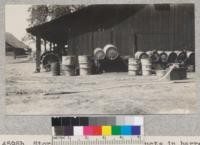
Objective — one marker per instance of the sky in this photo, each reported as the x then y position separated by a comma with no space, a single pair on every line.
16,20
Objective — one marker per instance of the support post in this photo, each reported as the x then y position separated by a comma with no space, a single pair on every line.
14,52
45,45
38,53
50,45
60,48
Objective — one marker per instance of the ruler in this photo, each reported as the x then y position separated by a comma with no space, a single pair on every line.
97,140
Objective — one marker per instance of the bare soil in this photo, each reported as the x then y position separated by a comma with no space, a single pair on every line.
29,93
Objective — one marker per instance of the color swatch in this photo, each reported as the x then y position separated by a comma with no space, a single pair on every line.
97,126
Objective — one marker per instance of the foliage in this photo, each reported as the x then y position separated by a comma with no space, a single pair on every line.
43,13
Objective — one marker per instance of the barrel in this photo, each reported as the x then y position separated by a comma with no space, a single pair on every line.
190,58
68,70
99,54
133,66
155,57
68,65
55,68
181,56
146,67
160,73
68,60
111,52
84,65
171,56
163,56
141,55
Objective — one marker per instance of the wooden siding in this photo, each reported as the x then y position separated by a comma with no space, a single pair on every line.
162,27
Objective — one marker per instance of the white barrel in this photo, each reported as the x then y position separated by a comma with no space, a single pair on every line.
133,66
160,73
191,57
132,73
171,56
155,57
111,52
163,56
99,54
141,55
181,56
68,60
146,67
84,65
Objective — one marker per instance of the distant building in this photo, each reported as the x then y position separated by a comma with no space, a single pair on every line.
15,47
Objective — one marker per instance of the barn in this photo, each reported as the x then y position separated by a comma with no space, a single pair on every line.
15,47
129,27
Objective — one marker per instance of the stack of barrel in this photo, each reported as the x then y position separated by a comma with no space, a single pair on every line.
105,58
84,65
133,66
145,61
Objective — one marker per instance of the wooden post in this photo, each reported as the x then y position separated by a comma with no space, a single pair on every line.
14,52
60,47
50,46
38,53
45,45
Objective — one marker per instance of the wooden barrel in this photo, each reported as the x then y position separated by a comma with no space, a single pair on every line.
141,55
55,68
84,65
68,70
68,65
146,67
68,60
171,56
163,56
160,73
133,66
111,52
181,56
99,54
154,56
190,58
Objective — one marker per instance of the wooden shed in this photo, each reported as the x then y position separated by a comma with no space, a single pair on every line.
15,47
129,27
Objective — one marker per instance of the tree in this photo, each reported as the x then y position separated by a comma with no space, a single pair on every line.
43,13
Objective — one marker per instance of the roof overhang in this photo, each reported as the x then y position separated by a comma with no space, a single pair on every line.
84,20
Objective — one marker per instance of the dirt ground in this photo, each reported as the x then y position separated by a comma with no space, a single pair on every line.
29,93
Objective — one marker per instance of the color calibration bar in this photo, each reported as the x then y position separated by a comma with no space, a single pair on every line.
98,126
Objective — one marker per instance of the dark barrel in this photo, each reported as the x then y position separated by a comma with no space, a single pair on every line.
181,56
163,56
171,56
55,68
